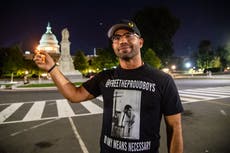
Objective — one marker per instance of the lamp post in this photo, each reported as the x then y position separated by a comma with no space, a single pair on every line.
26,77
12,77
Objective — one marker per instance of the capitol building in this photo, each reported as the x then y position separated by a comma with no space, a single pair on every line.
60,53
49,42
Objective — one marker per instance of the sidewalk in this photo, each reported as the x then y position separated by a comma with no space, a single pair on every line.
19,85
16,85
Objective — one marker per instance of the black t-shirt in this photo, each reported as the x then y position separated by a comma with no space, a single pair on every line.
134,101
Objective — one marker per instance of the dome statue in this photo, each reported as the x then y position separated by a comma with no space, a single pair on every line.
65,61
49,41
65,34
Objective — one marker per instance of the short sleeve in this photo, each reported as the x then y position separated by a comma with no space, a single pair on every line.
171,103
92,86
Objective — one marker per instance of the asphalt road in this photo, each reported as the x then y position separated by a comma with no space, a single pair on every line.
35,122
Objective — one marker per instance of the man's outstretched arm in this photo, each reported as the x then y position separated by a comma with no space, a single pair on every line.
66,88
174,133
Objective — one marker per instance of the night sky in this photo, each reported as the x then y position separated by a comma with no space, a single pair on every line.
25,21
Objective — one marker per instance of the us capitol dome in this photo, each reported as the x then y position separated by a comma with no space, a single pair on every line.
49,42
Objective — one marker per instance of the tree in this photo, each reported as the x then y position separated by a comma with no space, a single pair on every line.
151,58
224,54
205,54
215,63
157,26
105,59
80,61
11,60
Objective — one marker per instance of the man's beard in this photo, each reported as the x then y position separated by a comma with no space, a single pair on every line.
127,56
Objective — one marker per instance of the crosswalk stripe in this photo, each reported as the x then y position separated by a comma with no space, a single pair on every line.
211,88
217,92
184,99
91,107
217,89
100,98
198,93
35,111
195,96
9,111
64,109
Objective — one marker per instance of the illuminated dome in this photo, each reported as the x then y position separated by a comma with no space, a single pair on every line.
49,41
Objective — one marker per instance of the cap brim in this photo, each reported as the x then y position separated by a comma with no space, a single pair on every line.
115,28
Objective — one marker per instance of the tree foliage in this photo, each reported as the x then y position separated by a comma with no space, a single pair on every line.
105,59
151,58
157,26
80,61
224,54
205,54
11,60
215,63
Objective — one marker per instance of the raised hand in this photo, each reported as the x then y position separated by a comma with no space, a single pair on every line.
43,60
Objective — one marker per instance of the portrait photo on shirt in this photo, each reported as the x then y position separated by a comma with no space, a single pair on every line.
126,114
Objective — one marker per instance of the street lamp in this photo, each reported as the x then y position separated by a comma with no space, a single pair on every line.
188,65
26,81
173,67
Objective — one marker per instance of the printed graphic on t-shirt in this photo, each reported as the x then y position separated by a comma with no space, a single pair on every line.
126,114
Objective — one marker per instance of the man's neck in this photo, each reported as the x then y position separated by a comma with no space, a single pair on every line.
131,64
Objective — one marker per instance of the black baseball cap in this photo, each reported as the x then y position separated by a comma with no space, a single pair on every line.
124,24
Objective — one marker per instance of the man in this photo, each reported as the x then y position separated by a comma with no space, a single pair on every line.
151,92
127,121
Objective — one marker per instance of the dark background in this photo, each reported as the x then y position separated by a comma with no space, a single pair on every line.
25,21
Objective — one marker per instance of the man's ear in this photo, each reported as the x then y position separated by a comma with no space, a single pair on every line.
141,42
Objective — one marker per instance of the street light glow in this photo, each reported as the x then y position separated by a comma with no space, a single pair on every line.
188,65
173,67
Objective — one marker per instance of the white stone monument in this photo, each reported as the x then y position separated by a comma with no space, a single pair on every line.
65,61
